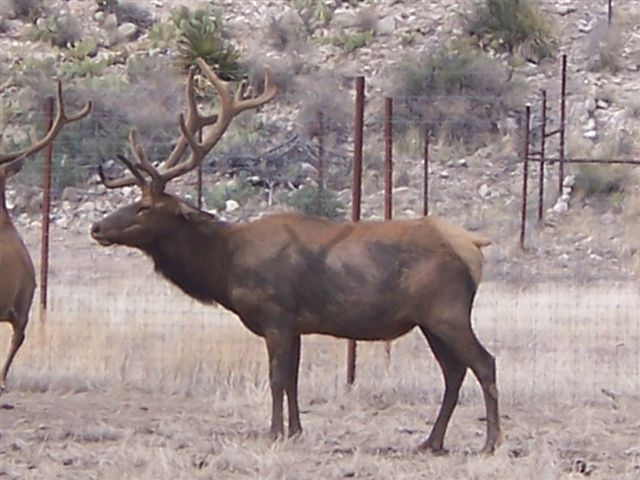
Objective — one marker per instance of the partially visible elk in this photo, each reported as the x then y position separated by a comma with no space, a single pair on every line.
288,275
17,276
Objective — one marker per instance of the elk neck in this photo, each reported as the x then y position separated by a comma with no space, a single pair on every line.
194,255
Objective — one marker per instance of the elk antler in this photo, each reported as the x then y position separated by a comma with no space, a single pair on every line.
60,121
230,106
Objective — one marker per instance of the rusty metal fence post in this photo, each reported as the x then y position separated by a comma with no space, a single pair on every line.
525,173
425,178
46,211
199,180
356,191
563,104
543,140
320,199
388,179
609,12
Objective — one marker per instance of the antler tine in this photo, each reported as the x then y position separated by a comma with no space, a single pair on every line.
137,176
194,121
60,121
143,161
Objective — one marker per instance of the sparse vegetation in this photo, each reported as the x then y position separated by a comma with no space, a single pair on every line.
128,12
458,92
604,48
602,180
350,42
515,26
26,9
60,31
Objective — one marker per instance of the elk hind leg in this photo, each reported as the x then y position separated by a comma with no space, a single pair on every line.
16,341
454,372
465,346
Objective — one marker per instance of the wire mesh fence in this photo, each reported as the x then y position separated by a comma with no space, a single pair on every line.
111,321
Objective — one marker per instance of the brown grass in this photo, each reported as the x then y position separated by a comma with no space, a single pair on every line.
130,379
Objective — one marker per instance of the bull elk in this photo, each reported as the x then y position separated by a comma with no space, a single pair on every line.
17,276
288,275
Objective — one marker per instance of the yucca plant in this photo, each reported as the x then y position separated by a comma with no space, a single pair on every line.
201,34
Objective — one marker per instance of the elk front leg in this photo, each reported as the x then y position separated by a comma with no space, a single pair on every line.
279,348
16,342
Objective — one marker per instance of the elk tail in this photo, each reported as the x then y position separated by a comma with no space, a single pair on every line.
466,245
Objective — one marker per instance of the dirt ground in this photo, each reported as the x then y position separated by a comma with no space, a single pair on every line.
128,378
130,434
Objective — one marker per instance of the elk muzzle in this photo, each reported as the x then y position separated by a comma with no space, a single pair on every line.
97,233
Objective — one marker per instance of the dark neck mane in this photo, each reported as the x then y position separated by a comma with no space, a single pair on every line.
193,255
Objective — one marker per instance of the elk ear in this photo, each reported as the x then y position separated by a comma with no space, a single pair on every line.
13,167
187,211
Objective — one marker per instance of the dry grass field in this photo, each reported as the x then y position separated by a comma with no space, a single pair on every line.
128,378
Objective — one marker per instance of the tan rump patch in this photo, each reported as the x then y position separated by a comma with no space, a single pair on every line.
466,245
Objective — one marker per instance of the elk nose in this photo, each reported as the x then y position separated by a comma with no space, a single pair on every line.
95,230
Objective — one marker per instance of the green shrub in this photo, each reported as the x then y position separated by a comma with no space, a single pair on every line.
512,25
306,200
238,189
460,94
163,35
350,42
83,49
314,13
59,31
84,68
201,34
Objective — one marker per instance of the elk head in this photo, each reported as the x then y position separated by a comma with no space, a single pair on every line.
157,213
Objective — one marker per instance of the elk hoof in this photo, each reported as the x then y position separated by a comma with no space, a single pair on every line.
436,451
487,450
295,432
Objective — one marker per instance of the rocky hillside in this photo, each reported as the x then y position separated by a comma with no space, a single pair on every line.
126,49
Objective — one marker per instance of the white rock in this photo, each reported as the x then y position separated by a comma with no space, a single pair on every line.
591,134
462,163
569,181
561,206
231,206
590,105
484,191
127,31
590,125
444,174
386,26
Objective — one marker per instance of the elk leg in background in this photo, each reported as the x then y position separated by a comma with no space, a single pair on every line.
291,388
280,346
454,372
16,341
